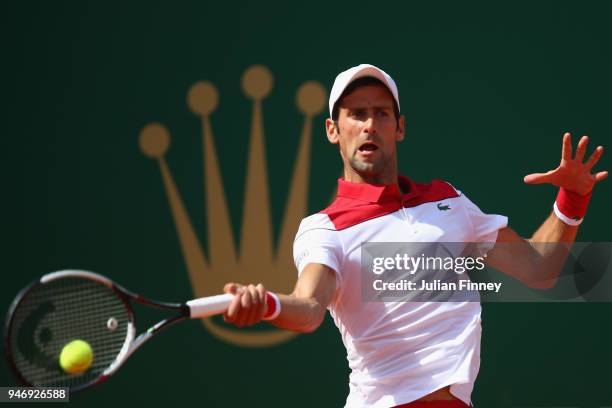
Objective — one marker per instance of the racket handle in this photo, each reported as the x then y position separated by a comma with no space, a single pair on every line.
209,306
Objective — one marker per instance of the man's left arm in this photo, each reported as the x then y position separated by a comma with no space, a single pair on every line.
537,261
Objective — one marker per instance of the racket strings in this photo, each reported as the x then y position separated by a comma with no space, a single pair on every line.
53,314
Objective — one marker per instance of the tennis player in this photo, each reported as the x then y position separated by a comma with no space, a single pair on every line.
406,354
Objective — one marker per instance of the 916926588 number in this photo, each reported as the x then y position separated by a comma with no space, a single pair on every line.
31,394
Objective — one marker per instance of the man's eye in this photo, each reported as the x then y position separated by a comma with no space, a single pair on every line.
383,113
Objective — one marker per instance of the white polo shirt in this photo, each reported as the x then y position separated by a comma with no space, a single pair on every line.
398,352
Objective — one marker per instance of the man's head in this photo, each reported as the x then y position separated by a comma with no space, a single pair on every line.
366,124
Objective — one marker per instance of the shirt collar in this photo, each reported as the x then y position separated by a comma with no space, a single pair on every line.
376,193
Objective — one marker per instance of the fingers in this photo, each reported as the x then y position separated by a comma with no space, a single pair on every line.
566,151
538,178
246,303
233,310
251,316
572,173
602,175
231,288
259,295
582,146
261,292
594,157
257,312
247,307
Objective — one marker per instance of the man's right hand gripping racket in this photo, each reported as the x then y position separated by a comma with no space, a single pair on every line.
83,308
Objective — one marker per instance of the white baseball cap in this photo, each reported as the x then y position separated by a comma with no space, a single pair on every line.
364,70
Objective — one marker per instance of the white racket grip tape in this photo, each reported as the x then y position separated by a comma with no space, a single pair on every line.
209,306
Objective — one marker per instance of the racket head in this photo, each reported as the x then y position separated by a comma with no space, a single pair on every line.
61,307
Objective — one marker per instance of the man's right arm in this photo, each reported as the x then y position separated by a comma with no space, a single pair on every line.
303,310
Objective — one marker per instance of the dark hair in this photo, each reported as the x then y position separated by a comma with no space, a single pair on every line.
363,81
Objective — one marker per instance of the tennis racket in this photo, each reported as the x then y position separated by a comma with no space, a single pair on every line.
67,305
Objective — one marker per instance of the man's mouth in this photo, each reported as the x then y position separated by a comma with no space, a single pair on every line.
368,147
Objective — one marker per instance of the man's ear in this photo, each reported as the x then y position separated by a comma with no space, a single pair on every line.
401,130
331,129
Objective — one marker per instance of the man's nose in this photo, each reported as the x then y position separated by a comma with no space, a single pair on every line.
369,126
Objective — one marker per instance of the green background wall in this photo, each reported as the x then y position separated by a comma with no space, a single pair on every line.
487,88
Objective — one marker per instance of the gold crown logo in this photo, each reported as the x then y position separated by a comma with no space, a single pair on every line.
257,260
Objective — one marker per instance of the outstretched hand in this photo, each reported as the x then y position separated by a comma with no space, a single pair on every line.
572,174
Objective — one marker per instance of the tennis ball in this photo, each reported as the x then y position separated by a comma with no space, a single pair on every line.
76,357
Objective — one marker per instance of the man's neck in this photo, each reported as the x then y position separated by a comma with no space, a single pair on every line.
354,177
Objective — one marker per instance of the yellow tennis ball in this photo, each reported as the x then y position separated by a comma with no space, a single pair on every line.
76,357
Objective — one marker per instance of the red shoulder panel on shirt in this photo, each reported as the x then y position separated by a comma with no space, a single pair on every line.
437,190
356,206
346,212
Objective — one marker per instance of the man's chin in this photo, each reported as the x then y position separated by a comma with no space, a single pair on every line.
367,170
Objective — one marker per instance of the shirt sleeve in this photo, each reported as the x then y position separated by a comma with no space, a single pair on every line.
484,226
314,244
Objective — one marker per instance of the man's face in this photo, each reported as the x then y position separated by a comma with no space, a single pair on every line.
367,131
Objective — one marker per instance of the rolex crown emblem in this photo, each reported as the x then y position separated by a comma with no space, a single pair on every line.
257,260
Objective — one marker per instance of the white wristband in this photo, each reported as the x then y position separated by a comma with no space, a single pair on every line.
277,309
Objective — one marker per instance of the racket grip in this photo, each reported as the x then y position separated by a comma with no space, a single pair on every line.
209,306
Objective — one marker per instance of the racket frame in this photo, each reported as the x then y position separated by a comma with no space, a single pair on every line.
131,344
